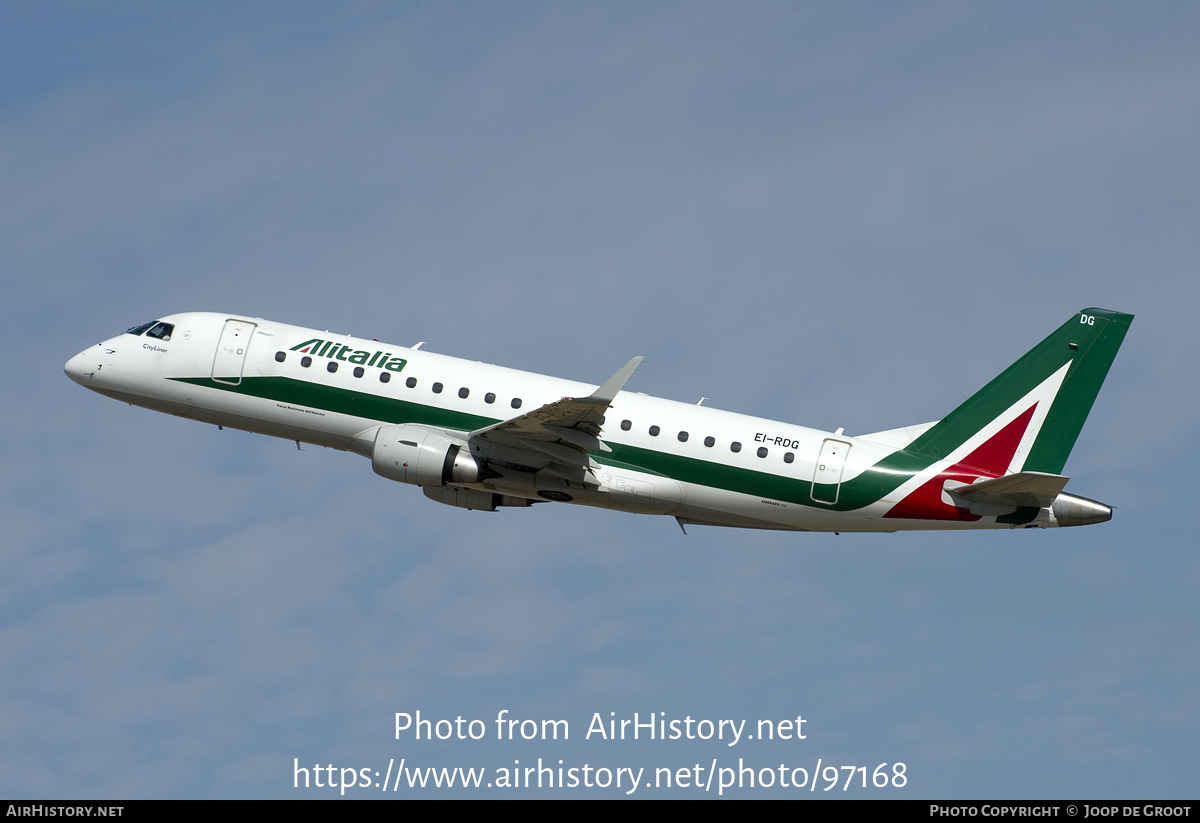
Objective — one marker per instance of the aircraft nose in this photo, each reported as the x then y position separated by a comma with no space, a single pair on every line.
74,368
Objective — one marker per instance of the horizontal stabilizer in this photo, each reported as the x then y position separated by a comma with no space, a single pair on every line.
1036,489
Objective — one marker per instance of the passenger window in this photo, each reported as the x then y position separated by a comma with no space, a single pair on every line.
626,425
490,397
789,457
710,442
332,367
306,361
385,376
411,382
516,403
683,436
358,371
280,356
654,431
762,451
735,447
437,388
162,331
140,330
463,392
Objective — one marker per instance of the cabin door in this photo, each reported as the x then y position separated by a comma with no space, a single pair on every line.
231,351
827,476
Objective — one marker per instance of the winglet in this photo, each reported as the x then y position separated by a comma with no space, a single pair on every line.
608,392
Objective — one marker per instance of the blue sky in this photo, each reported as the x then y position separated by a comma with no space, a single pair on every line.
827,214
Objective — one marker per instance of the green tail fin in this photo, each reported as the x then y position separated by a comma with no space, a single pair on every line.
1086,344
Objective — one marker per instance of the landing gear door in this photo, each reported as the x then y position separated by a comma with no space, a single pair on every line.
231,351
827,476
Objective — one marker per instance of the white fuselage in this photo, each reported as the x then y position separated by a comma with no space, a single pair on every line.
669,458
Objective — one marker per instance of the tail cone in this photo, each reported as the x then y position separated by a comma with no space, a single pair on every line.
1070,510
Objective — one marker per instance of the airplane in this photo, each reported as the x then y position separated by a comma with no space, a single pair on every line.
485,437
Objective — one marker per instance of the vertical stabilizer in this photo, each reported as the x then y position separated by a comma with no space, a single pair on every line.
1054,384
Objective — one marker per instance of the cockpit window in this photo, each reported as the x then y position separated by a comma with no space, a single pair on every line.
162,331
142,328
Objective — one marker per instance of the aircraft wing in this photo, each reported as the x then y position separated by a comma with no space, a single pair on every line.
1021,489
563,431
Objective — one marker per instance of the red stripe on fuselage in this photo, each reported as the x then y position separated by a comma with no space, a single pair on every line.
991,459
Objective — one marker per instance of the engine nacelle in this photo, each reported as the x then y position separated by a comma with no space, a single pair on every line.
423,457
473,499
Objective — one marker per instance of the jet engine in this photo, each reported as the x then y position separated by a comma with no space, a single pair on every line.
421,456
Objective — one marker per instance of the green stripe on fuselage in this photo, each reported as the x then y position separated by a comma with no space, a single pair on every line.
861,491
346,401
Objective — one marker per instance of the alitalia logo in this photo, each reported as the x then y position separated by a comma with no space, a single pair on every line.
333,350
